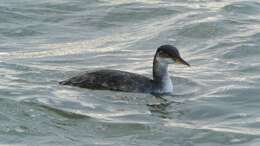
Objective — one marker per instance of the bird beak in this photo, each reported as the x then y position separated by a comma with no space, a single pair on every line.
182,61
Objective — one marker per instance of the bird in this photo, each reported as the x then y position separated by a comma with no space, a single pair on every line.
116,80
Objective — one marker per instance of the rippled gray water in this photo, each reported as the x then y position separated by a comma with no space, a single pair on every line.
216,101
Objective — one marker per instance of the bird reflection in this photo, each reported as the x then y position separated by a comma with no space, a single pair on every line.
162,109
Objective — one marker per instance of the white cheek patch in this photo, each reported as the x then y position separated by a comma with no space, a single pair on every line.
166,60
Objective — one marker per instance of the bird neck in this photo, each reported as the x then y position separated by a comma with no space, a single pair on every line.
160,69
161,78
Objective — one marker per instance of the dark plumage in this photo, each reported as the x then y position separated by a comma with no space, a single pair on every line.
111,80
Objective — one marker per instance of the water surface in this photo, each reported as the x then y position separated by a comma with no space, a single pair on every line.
215,102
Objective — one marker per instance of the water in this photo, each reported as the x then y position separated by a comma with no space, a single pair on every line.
216,101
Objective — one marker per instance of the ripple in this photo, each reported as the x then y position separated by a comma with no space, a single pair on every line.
115,2
244,50
243,7
237,130
208,29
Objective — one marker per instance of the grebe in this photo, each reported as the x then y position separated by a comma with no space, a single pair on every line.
130,82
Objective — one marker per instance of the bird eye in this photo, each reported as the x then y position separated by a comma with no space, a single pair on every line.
162,54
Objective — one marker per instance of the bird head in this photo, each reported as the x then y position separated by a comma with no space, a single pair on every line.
169,54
